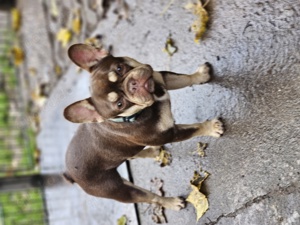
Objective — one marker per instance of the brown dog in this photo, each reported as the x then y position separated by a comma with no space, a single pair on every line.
129,109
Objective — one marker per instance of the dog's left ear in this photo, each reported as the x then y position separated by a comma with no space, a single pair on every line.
82,112
86,56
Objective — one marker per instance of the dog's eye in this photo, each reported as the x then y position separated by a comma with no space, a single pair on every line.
119,69
120,104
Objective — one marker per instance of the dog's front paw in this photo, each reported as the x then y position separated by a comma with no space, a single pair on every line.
215,128
203,74
174,203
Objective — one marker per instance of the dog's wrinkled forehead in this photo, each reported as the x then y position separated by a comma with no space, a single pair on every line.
106,83
105,77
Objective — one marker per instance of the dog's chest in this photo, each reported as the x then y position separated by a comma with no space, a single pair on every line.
166,120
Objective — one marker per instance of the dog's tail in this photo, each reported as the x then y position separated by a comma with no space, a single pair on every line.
68,178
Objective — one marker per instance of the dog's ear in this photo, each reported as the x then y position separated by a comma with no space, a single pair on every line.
86,56
82,112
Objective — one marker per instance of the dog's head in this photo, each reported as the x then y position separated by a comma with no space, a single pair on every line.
120,86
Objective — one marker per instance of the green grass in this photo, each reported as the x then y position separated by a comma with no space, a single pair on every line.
16,207
25,141
22,207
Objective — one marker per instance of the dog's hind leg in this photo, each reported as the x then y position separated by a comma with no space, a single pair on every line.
109,184
174,203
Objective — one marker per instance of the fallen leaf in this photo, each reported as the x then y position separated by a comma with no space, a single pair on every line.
32,71
170,48
122,220
76,22
196,198
94,41
200,148
64,36
164,158
54,8
58,70
199,25
35,121
38,98
157,211
16,19
18,55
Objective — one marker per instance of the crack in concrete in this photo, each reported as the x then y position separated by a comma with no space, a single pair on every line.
281,191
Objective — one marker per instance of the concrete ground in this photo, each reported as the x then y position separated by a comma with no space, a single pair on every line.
253,47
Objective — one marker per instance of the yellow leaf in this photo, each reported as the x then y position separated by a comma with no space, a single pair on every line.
58,70
16,19
196,198
199,201
122,220
76,23
18,55
164,158
200,148
199,25
64,36
54,8
170,48
198,179
94,41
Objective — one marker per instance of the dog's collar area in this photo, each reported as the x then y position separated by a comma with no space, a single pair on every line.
126,119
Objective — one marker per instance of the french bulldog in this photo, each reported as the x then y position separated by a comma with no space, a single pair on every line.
127,116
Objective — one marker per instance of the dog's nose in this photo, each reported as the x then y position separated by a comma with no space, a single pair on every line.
133,86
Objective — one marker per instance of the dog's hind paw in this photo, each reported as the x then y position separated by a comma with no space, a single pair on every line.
174,203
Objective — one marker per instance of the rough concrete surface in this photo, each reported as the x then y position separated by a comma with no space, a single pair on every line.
253,47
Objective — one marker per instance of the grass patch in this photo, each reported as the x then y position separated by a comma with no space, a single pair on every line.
12,135
22,207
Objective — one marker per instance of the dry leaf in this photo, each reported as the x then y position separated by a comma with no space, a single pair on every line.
122,220
18,55
37,97
32,71
76,22
54,8
16,19
94,41
200,148
196,198
170,48
157,211
199,25
64,36
58,70
164,158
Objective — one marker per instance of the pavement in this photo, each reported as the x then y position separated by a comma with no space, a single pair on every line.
254,168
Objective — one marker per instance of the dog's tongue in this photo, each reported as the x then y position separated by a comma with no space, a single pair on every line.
149,85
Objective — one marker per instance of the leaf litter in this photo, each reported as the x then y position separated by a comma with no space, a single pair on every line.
196,198
164,158
199,25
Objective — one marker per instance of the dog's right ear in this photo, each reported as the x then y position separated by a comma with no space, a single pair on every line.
82,112
86,56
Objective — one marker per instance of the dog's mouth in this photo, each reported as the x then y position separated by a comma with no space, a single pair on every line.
149,85
140,86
